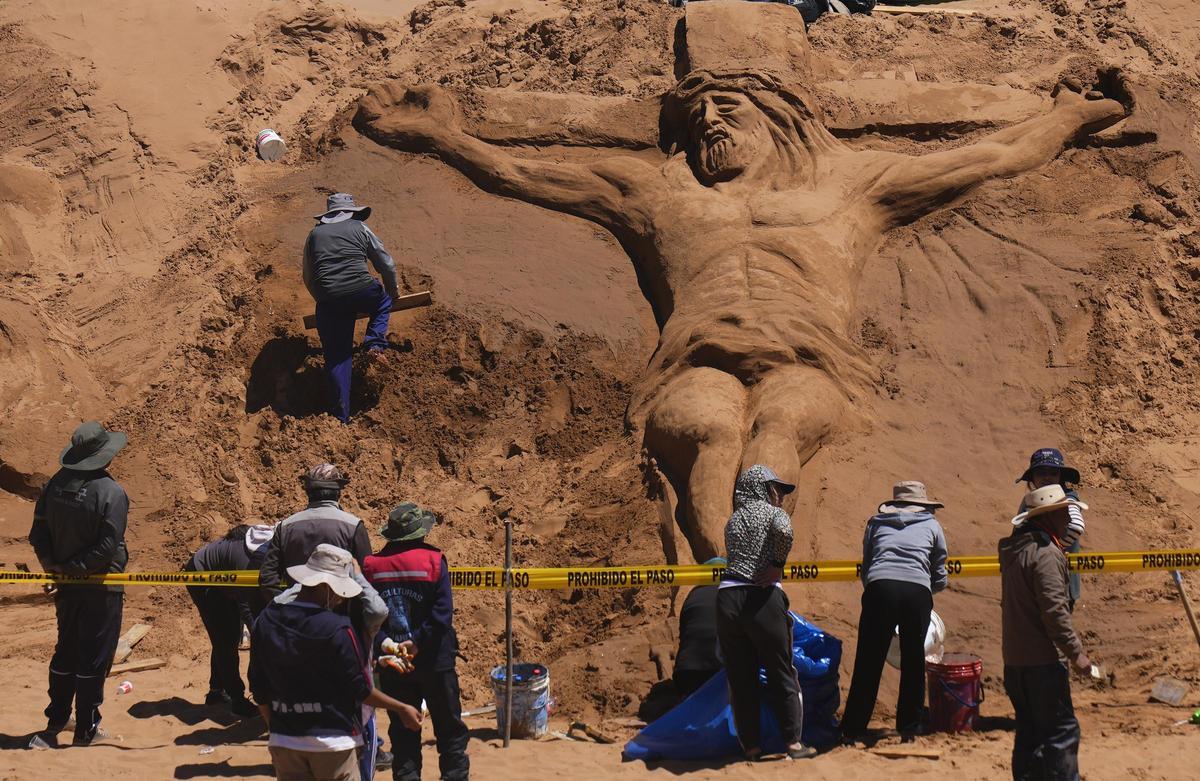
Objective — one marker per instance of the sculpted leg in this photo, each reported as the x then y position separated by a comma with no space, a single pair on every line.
792,410
696,432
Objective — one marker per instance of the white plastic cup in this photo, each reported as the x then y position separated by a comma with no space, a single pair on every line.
270,145
125,687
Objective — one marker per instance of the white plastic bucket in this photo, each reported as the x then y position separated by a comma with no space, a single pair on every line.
270,145
935,639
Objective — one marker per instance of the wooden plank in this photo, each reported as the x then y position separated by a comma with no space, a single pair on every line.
399,304
135,667
129,640
899,752
908,9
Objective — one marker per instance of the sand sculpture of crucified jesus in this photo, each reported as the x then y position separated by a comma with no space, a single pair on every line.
749,243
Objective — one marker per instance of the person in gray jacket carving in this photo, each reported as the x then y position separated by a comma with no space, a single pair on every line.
904,565
335,273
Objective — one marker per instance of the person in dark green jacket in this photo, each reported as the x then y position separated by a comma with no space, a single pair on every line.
79,529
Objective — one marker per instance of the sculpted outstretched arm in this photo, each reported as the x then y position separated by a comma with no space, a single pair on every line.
914,186
426,119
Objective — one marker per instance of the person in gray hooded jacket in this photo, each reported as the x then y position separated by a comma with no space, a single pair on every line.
904,565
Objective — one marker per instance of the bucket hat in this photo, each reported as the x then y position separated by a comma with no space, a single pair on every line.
1043,500
331,565
408,522
341,206
1052,458
909,496
91,447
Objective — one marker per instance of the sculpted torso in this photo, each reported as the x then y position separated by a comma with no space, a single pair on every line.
749,246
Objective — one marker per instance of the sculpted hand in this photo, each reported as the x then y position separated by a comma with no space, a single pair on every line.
1095,108
415,118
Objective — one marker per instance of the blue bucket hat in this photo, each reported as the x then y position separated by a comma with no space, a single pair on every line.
1050,458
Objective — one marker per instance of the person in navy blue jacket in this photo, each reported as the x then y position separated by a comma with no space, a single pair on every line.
309,674
413,578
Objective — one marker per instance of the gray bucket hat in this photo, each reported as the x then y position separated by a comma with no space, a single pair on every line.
909,496
91,447
408,522
331,565
341,206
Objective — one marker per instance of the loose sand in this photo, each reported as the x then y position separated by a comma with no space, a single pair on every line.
150,278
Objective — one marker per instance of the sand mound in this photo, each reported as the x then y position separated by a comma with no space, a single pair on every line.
149,277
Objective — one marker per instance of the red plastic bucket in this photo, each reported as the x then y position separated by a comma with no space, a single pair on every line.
955,692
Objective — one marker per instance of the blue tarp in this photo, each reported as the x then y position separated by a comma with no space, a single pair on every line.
701,727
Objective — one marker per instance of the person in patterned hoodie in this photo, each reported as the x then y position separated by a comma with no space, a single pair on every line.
753,625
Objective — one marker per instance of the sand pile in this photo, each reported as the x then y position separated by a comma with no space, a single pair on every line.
150,278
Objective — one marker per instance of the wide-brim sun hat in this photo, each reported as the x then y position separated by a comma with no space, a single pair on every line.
1050,458
91,448
909,496
1044,500
330,565
341,206
408,522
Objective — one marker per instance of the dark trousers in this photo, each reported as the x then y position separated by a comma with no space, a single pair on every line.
439,689
755,630
89,625
886,604
222,618
335,326
1047,741
688,681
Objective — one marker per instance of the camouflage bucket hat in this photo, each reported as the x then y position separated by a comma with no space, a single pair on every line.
408,522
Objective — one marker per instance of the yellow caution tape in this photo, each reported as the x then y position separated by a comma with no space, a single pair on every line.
645,576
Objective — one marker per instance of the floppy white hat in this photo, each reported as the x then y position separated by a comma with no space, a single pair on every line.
331,565
1043,500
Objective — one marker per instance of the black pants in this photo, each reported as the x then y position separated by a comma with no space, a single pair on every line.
89,625
222,618
886,604
1047,742
688,681
439,689
755,630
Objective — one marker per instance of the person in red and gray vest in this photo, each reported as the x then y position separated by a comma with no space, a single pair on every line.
413,578
79,529
335,273
298,535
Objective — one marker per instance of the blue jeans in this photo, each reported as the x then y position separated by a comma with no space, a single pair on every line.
1046,747
335,326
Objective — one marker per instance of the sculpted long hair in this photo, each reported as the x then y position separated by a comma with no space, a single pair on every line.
796,125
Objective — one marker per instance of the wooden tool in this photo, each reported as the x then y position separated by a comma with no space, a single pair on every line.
1177,576
399,304
129,640
900,752
135,667
907,9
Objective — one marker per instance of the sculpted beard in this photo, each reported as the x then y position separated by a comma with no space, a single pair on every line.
722,155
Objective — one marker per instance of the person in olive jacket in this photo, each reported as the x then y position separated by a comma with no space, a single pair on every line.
79,529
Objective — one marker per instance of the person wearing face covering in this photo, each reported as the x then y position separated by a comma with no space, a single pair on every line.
753,625
1048,467
904,565
1039,639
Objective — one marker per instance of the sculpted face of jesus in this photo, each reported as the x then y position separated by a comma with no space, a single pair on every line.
730,133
